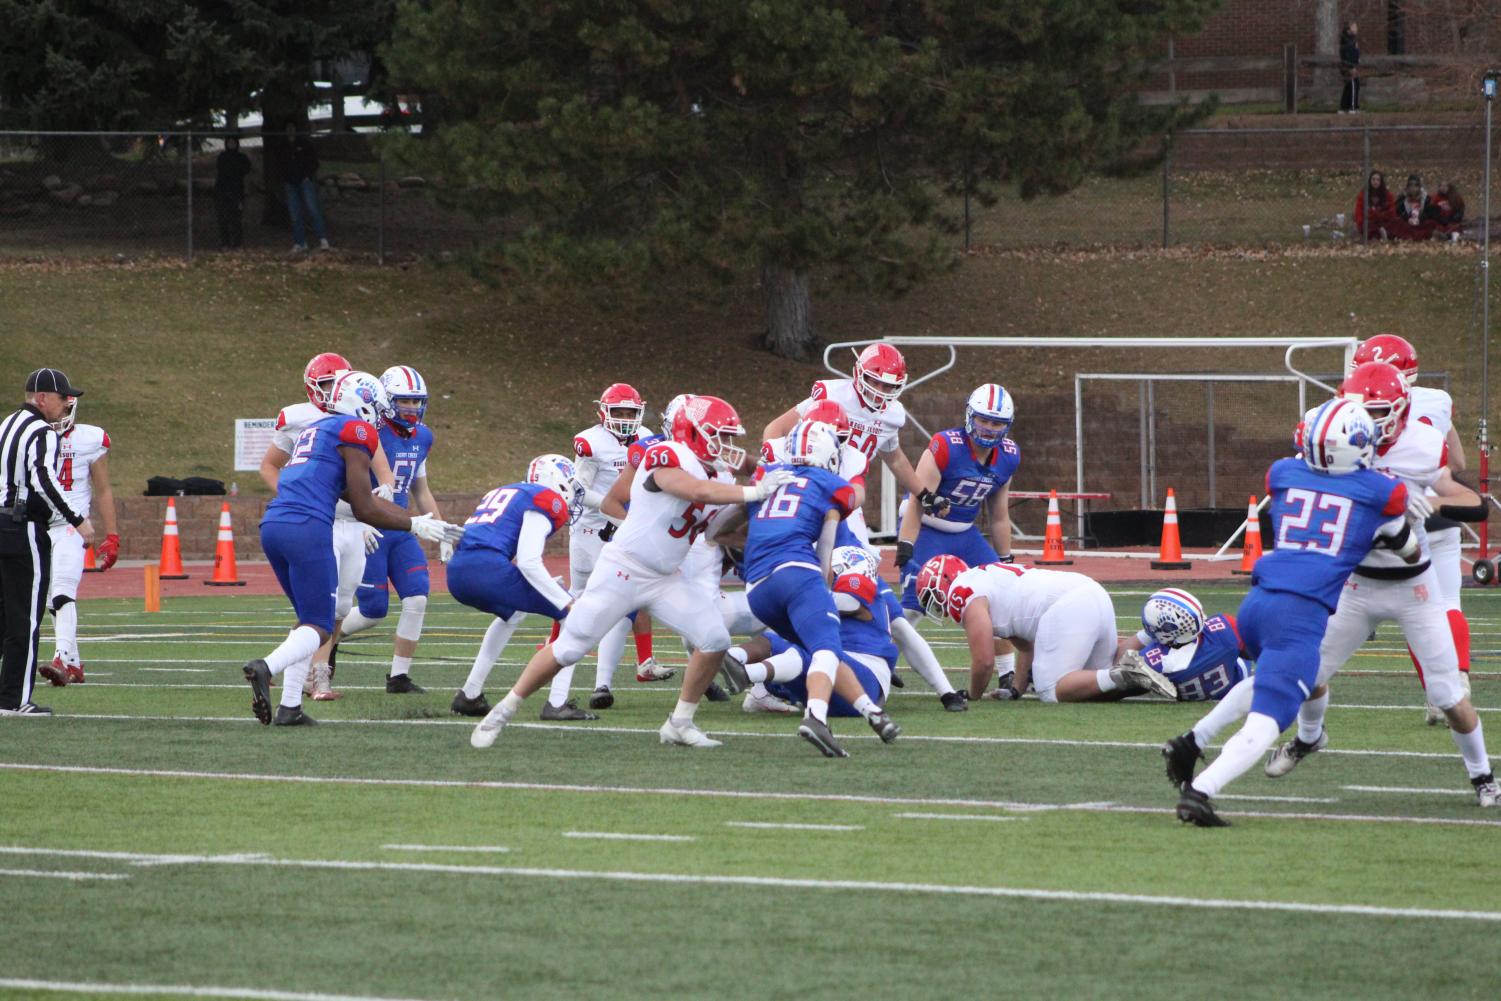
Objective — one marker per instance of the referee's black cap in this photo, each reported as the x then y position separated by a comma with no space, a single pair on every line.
51,380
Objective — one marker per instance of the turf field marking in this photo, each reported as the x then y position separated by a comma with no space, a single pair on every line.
495,849
1281,799
623,836
1410,789
177,990
762,825
176,670
955,816
74,876
134,858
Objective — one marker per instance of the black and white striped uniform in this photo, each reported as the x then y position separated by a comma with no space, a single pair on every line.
30,495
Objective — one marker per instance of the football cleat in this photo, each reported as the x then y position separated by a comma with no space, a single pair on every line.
1134,672
650,670
55,672
463,705
816,732
885,727
896,681
27,709
401,684
259,676
292,716
489,728
1487,792
1196,809
1181,754
955,701
767,703
716,694
322,676
601,698
685,735
1285,758
732,672
75,673
1434,716
567,712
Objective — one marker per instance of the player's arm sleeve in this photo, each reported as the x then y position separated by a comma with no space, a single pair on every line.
44,479
535,529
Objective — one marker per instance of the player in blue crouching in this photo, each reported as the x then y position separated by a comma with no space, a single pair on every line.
1203,657
498,566
1328,509
330,460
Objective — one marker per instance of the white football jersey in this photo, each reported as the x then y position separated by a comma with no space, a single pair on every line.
871,431
80,448
1018,596
706,559
289,424
1431,406
599,457
1417,458
659,528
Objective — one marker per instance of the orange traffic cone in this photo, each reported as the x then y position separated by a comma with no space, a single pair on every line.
226,574
1251,551
169,567
90,564
1170,556
1052,540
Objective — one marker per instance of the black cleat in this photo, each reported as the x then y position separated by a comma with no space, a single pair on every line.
289,716
716,694
884,726
1194,808
955,701
601,698
1181,754
333,659
568,711
732,673
259,676
463,705
896,681
817,733
401,684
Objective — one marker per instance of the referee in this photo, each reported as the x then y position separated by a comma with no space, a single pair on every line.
29,494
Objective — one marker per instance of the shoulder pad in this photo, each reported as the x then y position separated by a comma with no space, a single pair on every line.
661,456
356,432
550,504
581,446
857,584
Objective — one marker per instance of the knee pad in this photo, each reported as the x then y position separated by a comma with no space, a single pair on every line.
1445,690
58,602
823,662
569,648
409,625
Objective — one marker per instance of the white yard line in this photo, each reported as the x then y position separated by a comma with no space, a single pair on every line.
762,825
1280,799
955,816
54,874
623,836
181,990
489,849
173,670
1415,790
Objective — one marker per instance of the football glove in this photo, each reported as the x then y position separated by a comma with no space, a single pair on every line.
768,485
430,529
385,491
933,504
903,553
1419,509
372,540
445,551
607,533
108,551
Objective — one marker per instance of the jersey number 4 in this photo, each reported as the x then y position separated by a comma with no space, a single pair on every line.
65,474
1318,525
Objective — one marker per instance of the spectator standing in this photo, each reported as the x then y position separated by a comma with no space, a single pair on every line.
1375,209
1416,215
301,188
231,168
1349,68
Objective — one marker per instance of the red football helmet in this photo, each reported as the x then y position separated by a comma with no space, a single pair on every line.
831,413
935,582
1379,388
1397,352
620,410
318,377
707,425
880,374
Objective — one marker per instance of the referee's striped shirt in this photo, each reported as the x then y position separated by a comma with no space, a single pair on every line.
28,467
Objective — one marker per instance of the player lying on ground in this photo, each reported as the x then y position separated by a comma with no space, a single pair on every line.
1204,658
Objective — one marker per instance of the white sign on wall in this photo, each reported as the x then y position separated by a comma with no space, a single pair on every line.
252,436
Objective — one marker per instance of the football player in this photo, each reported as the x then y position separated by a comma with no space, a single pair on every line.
498,566
1062,624
349,536
83,472
638,567
396,556
330,459
1328,510
1384,588
1203,657
1435,408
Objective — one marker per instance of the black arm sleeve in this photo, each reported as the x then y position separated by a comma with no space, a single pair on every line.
1463,512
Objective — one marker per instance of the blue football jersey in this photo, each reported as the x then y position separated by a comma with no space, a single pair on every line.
406,456
965,480
312,481
496,522
870,636
1322,527
1214,668
636,451
784,528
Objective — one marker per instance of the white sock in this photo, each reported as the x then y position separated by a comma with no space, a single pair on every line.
759,690
400,666
299,646
1234,706
611,649
291,685
819,710
759,673
1311,718
1005,664
1105,681
786,666
1472,748
865,707
490,649
557,693
508,706
65,625
354,622
1240,752
684,711
913,647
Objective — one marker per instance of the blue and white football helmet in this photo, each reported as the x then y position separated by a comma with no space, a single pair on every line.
992,402
1337,437
1173,617
408,392
813,443
557,473
360,394
854,559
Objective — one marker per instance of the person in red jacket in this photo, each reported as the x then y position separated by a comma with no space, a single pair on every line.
1449,205
1383,208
